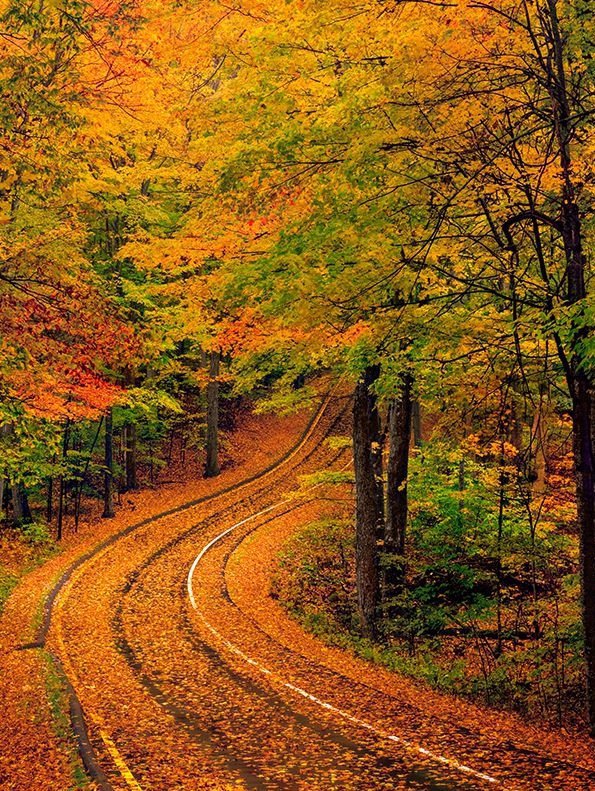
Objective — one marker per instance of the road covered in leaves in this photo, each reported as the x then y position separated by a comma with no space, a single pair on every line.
191,676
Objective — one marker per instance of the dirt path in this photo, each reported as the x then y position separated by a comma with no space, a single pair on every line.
200,681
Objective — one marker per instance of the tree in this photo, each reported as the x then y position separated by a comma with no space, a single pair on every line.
513,167
108,474
212,462
369,511
399,439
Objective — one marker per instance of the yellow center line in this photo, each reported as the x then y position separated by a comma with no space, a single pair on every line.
96,719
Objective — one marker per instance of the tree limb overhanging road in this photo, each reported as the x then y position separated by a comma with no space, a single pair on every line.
297,395
190,676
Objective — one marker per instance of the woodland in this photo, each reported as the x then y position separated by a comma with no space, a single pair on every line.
212,206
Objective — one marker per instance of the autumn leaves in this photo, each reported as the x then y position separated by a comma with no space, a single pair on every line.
284,188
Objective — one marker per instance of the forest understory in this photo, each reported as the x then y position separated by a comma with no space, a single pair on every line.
312,276
312,542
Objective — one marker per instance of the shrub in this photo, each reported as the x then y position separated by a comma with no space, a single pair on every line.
315,579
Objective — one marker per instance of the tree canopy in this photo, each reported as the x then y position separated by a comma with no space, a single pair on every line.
236,197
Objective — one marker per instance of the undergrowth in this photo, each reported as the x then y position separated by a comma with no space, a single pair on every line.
22,550
539,678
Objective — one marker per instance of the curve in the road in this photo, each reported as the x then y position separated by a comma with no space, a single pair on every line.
183,715
550,769
59,593
137,594
316,699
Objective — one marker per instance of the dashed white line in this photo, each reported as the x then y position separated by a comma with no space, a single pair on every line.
450,762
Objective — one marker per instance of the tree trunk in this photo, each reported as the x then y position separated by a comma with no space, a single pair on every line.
65,443
368,515
399,438
578,379
20,504
212,461
416,418
5,431
130,442
130,456
585,498
108,476
49,503
79,489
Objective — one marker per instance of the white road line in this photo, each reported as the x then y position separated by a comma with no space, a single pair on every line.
452,763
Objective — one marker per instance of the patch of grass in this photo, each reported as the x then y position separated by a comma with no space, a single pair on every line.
37,534
59,707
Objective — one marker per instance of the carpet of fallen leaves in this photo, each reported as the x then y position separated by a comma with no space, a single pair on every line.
186,711
32,753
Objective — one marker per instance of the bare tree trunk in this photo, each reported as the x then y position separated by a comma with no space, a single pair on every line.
500,535
130,442
378,462
368,515
399,438
212,461
130,457
585,496
79,490
60,509
108,476
49,503
65,443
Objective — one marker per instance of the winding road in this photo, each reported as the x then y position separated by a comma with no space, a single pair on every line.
185,674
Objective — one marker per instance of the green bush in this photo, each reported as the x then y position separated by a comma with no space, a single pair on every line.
316,578
36,534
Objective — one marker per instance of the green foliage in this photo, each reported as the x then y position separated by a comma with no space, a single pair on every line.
27,448
488,608
315,577
37,534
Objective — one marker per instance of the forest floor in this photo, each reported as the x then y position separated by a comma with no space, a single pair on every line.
191,676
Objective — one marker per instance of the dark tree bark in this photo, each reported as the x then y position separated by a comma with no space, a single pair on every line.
130,457
108,476
20,504
399,440
369,513
212,462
